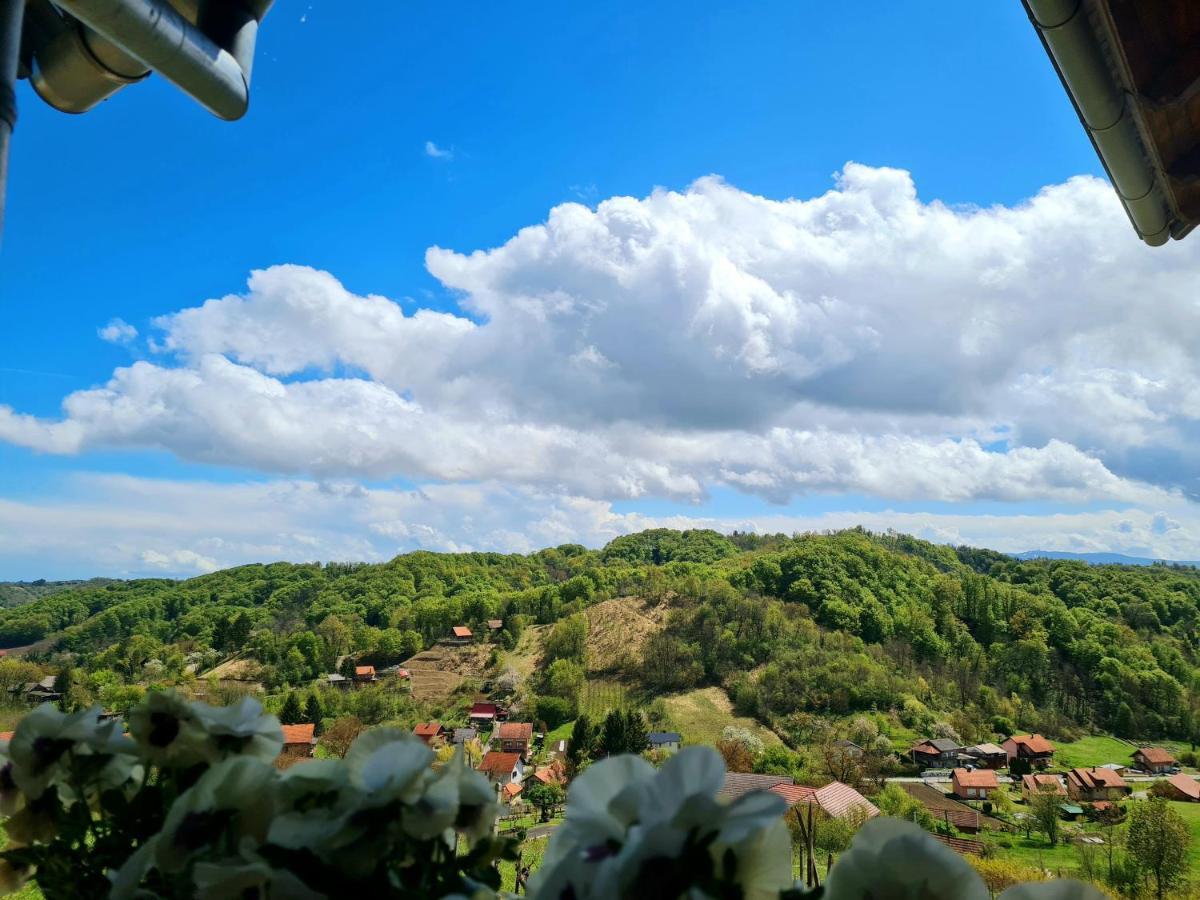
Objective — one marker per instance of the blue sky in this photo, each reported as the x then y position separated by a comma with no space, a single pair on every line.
377,131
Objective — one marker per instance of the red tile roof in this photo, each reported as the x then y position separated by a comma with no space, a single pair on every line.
1091,779
483,709
1040,782
1156,756
515,731
297,734
960,845
512,789
428,729
1034,743
551,774
795,793
980,778
836,799
6,735
364,670
403,673
497,763
1186,785
461,631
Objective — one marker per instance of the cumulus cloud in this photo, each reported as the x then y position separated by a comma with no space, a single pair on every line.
433,151
861,341
127,526
117,331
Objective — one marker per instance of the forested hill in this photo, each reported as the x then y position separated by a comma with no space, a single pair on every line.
14,593
790,626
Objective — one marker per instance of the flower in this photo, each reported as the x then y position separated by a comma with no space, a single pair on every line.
232,879
47,742
241,730
232,799
1064,889
388,764
168,731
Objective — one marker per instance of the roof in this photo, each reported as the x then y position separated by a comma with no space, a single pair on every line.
1091,779
495,623
551,774
842,742
403,673
515,731
512,789
461,631
462,735
364,670
836,799
738,784
497,763
664,737
1042,782
943,806
980,778
941,745
1071,809
986,750
428,729
1130,72
483,709
1155,755
795,793
335,677
959,845
1034,743
298,734
1185,784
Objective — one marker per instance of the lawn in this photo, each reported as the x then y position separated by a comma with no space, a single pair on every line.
701,715
531,855
1095,750
561,733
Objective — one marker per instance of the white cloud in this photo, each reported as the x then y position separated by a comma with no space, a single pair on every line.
433,151
124,526
117,331
861,341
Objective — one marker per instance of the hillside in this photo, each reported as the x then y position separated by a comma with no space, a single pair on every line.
788,627
15,593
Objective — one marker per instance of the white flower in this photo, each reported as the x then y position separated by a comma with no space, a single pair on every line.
241,730
46,742
1052,890
891,859
233,879
233,795
168,730
388,764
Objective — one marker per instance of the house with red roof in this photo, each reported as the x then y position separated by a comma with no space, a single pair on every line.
974,784
460,634
299,740
1153,759
514,737
836,800
554,773
1183,787
484,715
1090,785
432,733
511,792
364,674
503,768
1033,748
1040,783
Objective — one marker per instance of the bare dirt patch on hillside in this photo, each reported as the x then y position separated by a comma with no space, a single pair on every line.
617,631
438,671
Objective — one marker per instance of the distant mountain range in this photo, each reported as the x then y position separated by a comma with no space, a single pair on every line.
1103,559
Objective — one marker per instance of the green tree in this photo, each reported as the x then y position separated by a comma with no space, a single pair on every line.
313,713
1158,840
292,712
579,747
568,639
613,738
545,797
1044,807
636,738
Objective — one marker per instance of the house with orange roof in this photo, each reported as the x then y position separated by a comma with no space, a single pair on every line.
1183,787
364,674
1153,759
974,784
503,768
1040,783
1033,748
511,792
1089,785
514,737
432,733
836,800
299,740
554,773
460,634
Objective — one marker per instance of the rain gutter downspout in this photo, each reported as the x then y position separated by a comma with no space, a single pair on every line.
1103,109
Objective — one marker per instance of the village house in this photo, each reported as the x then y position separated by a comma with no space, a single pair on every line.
1039,783
987,756
464,736
484,715
37,691
514,737
554,773
666,741
299,740
459,635
364,674
432,733
936,753
848,748
503,768
974,785
738,784
495,625
511,792
836,800
946,809
337,681
1155,760
1183,787
1090,785
1033,748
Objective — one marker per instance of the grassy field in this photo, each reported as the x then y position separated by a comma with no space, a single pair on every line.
600,696
701,715
1092,751
531,855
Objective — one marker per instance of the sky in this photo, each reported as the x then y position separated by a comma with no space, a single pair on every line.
499,277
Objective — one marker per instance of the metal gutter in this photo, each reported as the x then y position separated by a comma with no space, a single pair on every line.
1105,109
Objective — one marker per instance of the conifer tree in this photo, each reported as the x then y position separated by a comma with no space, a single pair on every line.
292,713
